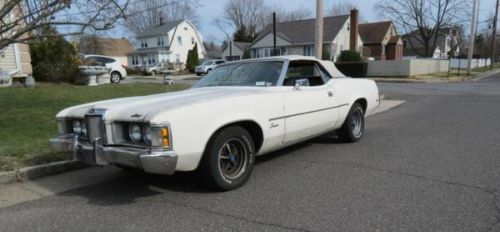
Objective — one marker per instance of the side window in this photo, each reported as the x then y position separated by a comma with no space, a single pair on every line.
108,60
308,70
219,62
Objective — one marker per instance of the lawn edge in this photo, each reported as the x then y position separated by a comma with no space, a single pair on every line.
40,171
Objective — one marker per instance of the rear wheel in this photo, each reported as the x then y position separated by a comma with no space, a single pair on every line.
228,159
116,77
354,126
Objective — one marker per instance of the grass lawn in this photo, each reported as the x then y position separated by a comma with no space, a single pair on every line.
27,117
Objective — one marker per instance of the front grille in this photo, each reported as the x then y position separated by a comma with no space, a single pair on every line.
95,127
94,121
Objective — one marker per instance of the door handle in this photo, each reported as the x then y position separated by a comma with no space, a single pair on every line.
330,93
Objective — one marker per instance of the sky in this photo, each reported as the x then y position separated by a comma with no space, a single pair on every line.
209,9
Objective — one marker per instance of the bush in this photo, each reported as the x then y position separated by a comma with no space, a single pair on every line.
192,59
353,69
349,56
53,58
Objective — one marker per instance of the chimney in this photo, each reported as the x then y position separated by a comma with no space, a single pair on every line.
354,29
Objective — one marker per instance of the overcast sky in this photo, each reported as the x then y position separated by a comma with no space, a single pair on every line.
209,9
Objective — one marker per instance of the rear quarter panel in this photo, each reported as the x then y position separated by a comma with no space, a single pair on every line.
349,90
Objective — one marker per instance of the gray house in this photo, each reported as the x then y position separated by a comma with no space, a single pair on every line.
235,51
298,37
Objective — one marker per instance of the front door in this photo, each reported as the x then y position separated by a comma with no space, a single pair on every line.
310,109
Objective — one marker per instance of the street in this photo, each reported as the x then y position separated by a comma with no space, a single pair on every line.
429,164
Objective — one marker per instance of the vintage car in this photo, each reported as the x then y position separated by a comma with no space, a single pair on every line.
240,110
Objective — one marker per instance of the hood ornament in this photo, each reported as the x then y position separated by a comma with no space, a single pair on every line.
135,116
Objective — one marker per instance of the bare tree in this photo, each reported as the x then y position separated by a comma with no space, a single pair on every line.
254,15
154,12
238,13
340,8
423,20
285,16
20,20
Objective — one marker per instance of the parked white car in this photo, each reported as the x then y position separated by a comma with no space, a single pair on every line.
207,66
118,72
240,110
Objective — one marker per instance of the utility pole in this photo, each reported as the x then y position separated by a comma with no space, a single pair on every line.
494,37
472,37
274,34
319,29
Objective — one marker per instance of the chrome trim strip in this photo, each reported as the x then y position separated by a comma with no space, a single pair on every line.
309,112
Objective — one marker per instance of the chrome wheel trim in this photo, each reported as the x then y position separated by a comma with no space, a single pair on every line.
357,123
115,77
232,158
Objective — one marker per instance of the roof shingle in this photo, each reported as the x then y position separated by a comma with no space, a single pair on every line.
374,33
303,31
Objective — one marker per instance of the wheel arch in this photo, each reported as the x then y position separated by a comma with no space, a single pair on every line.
253,128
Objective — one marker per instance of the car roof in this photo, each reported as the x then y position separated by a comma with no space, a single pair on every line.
327,64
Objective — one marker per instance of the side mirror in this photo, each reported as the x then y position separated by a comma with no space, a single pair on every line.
300,82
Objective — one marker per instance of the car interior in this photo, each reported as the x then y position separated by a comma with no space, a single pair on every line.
300,70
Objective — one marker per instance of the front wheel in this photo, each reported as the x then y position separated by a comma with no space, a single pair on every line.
354,126
116,77
228,159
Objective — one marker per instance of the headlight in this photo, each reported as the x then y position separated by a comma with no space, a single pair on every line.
77,127
147,135
84,129
135,133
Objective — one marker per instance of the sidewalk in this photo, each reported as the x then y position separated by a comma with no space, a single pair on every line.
434,79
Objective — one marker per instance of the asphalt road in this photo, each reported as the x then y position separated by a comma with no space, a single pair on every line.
430,164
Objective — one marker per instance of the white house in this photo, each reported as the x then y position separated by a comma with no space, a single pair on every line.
166,43
298,37
234,51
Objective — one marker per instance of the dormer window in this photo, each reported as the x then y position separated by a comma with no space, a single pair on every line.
161,41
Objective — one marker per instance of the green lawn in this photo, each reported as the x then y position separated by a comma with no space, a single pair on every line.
27,117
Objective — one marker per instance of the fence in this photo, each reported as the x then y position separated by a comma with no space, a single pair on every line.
476,63
406,68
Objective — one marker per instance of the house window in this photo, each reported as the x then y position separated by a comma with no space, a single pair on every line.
144,43
177,58
309,50
179,40
161,41
135,60
151,59
192,40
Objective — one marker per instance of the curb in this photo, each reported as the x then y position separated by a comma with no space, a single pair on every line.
39,171
485,75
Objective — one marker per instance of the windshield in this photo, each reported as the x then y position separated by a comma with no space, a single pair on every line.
208,62
260,74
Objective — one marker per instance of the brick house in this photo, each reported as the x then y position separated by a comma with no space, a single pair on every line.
382,40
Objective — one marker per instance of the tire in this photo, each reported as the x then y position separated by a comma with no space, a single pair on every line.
115,78
208,71
228,159
198,74
353,128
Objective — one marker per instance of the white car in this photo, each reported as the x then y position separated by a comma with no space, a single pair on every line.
118,72
240,110
207,66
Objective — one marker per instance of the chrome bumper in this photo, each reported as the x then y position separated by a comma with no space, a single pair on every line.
151,161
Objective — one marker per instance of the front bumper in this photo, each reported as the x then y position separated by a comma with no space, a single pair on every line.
151,161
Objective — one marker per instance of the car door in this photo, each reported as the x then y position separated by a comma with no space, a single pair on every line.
311,108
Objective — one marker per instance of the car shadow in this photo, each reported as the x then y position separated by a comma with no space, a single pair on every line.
131,186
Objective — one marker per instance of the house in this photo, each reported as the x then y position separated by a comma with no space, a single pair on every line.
448,39
167,43
115,48
381,40
235,50
298,37
15,59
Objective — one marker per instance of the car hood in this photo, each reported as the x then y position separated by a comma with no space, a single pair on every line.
143,107
202,66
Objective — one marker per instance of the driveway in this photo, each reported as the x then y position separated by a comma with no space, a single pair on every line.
430,164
